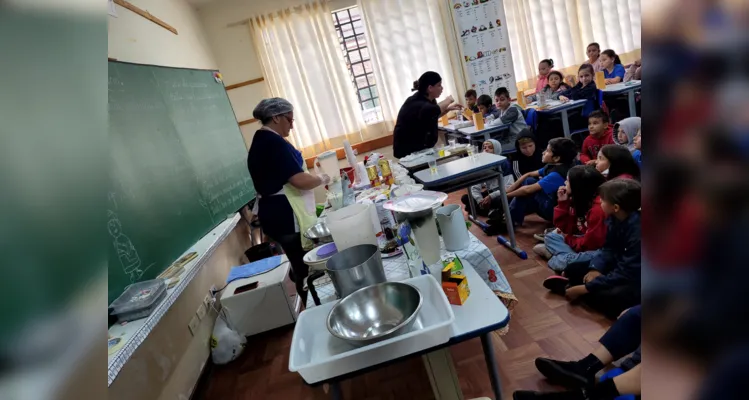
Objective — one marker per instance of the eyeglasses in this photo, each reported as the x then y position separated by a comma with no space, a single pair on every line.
290,120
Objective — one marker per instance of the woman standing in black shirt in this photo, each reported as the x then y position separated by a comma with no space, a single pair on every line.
416,126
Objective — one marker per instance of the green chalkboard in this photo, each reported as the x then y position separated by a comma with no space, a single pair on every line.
178,167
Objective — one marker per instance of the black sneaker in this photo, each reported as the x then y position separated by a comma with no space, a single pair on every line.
565,373
556,284
531,395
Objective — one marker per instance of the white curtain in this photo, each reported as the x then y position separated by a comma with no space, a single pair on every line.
408,38
562,29
302,62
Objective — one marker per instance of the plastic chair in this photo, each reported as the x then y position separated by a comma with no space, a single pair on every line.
531,118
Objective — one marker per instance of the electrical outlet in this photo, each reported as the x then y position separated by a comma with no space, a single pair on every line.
201,311
207,300
193,325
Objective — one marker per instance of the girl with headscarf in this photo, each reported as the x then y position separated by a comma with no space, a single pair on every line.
286,204
626,130
416,125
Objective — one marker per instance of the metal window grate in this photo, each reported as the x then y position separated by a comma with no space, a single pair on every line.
350,28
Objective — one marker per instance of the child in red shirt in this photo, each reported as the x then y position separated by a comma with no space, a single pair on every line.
601,134
579,220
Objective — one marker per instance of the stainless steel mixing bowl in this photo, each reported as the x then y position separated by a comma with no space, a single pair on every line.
375,313
319,232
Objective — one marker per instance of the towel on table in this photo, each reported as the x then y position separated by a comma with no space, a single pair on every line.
253,268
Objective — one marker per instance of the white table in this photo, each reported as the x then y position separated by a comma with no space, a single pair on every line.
557,107
625,87
481,314
422,162
461,172
471,132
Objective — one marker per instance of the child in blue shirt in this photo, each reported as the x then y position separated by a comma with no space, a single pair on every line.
613,70
637,154
536,191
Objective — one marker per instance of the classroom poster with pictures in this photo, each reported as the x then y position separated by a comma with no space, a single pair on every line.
484,45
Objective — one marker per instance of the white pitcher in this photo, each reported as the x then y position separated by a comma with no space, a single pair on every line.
453,227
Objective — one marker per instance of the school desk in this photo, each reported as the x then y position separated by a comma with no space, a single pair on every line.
466,172
557,107
625,87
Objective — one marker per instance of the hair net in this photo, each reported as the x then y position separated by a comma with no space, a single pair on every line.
268,108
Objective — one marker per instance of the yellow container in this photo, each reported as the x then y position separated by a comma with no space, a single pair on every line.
521,98
478,120
443,120
468,113
600,80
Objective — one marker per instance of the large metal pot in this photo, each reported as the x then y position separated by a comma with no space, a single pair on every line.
355,268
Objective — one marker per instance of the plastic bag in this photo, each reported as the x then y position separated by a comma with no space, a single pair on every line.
226,344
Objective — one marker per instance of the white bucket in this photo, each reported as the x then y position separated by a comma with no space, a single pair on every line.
351,226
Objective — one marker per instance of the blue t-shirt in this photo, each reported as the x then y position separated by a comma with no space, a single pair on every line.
618,72
550,183
637,155
272,161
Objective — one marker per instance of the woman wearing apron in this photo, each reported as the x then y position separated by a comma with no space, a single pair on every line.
286,203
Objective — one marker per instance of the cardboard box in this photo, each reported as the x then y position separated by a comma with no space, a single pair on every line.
453,261
456,289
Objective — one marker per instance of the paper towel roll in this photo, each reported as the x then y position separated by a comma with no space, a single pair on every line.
351,158
361,172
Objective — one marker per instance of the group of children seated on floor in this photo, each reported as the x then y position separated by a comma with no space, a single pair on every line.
593,201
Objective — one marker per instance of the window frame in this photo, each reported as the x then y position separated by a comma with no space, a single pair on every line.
365,95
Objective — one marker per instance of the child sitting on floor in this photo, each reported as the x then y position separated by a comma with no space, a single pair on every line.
610,283
485,106
489,190
579,377
626,130
615,161
579,220
601,134
637,154
535,192
527,156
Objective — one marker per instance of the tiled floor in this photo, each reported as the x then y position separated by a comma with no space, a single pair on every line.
542,325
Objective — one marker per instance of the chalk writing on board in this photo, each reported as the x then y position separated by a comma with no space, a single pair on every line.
126,252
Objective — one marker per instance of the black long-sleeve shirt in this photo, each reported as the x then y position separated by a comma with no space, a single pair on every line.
416,126
578,92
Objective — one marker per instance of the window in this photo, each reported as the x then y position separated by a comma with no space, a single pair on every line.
350,29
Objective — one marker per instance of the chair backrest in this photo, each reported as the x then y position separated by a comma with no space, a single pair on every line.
531,118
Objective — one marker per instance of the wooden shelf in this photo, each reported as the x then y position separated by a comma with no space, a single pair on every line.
245,83
145,14
247,121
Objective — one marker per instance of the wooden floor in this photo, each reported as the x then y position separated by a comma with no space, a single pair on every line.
542,325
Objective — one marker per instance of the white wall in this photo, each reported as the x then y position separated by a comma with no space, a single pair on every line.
135,39
235,52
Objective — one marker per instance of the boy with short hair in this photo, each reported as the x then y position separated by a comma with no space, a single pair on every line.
610,283
485,106
508,113
471,100
536,191
601,134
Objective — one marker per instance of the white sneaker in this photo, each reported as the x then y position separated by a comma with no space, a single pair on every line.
542,251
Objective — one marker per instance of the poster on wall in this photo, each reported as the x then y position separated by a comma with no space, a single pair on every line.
484,44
